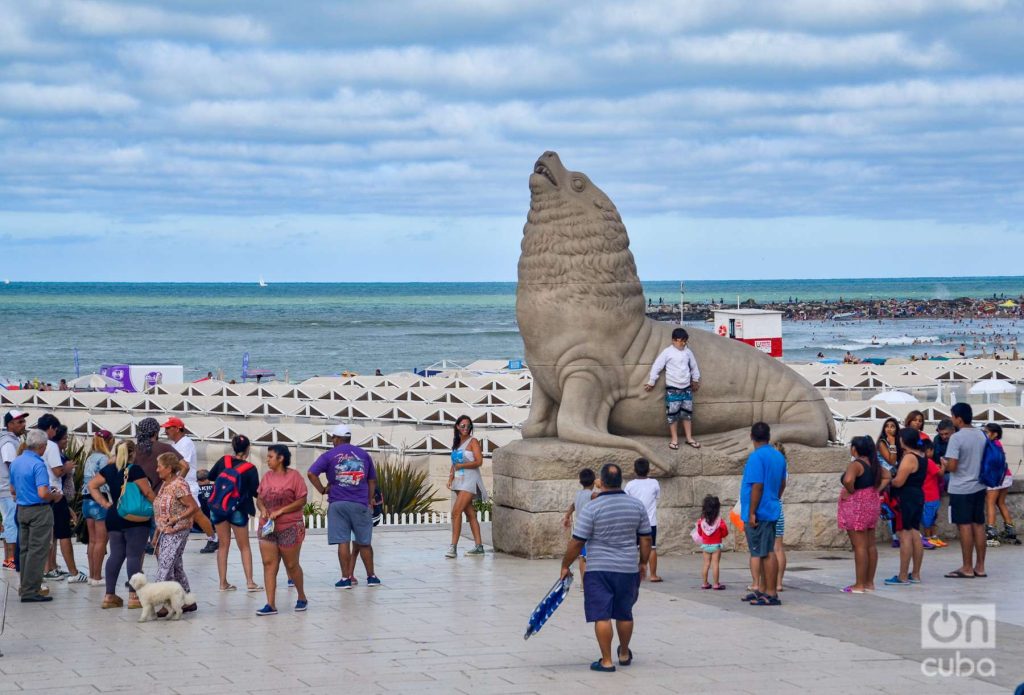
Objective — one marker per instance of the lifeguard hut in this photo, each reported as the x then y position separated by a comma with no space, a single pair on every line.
759,328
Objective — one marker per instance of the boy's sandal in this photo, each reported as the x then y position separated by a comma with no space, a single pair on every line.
597,666
625,662
766,601
752,596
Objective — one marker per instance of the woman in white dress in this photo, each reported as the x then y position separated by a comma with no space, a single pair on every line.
466,484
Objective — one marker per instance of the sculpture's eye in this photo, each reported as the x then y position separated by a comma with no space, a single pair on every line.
578,184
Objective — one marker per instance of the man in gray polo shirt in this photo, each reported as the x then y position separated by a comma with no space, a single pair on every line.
966,491
612,526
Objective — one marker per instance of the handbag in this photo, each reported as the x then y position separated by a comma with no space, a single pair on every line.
133,505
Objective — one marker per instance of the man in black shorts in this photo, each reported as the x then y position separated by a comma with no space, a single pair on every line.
966,492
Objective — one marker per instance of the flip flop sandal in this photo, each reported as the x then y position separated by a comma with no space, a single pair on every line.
655,581
981,576
705,586
229,587
673,447
626,662
851,590
752,596
718,587
596,666
695,445
254,588
957,574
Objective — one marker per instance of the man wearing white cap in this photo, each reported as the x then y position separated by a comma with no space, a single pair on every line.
351,483
10,440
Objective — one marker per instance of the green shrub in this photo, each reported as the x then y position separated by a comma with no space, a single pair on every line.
482,506
405,491
314,509
78,451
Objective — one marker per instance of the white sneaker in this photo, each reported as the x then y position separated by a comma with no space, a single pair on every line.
97,582
452,551
80,578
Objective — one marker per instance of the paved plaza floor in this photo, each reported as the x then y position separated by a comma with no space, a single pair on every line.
456,626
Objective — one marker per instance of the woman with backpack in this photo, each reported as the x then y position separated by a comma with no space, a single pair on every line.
282,495
235,483
127,519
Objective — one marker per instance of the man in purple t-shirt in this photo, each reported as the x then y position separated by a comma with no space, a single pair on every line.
351,483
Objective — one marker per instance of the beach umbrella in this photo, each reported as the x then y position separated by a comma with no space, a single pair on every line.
93,381
547,606
987,386
894,397
991,387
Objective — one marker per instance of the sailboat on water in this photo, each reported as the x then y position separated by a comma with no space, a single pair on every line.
263,283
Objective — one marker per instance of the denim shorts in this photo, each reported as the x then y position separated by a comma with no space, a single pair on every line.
349,521
8,508
610,595
761,540
235,518
931,512
92,510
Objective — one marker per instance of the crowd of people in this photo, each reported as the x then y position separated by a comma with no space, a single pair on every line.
899,477
147,496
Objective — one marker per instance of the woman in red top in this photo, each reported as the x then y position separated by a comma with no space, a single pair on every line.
711,530
280,499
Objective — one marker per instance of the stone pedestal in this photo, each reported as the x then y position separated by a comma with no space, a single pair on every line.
535,480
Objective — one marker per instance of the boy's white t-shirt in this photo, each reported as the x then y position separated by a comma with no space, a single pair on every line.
647,490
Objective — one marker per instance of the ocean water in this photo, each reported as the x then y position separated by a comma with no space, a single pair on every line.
319,329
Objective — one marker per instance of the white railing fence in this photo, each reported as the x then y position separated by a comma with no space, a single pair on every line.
319,521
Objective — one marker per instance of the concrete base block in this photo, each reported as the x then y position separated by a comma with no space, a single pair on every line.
535,481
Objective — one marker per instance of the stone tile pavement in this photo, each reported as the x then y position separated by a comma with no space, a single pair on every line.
443,626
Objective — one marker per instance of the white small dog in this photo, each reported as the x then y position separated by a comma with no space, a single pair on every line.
158,594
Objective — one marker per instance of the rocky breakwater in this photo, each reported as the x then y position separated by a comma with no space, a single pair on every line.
535,481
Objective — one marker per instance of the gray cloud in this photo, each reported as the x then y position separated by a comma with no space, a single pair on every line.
711,108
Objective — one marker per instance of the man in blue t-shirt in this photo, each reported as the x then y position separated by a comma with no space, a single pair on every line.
351,484
764,479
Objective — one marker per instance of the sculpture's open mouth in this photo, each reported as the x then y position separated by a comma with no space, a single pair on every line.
546,173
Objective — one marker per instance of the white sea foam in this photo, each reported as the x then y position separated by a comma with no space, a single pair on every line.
900,340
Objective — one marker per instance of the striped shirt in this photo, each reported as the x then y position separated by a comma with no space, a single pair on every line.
609,525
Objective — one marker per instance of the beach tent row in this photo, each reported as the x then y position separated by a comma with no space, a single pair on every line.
318,387
251,406
902,375
357,394
409,439
1008,416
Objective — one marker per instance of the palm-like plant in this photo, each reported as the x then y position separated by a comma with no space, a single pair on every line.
405,491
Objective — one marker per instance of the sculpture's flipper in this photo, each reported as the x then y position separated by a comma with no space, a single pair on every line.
583,419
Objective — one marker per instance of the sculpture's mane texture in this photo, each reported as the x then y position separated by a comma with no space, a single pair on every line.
575,248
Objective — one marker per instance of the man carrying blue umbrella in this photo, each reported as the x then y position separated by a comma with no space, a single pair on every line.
611,526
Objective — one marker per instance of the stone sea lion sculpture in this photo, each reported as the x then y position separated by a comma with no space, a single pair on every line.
590,346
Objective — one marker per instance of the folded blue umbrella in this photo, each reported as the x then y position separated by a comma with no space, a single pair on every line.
548,605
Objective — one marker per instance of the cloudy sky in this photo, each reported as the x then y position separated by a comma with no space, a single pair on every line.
351,141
